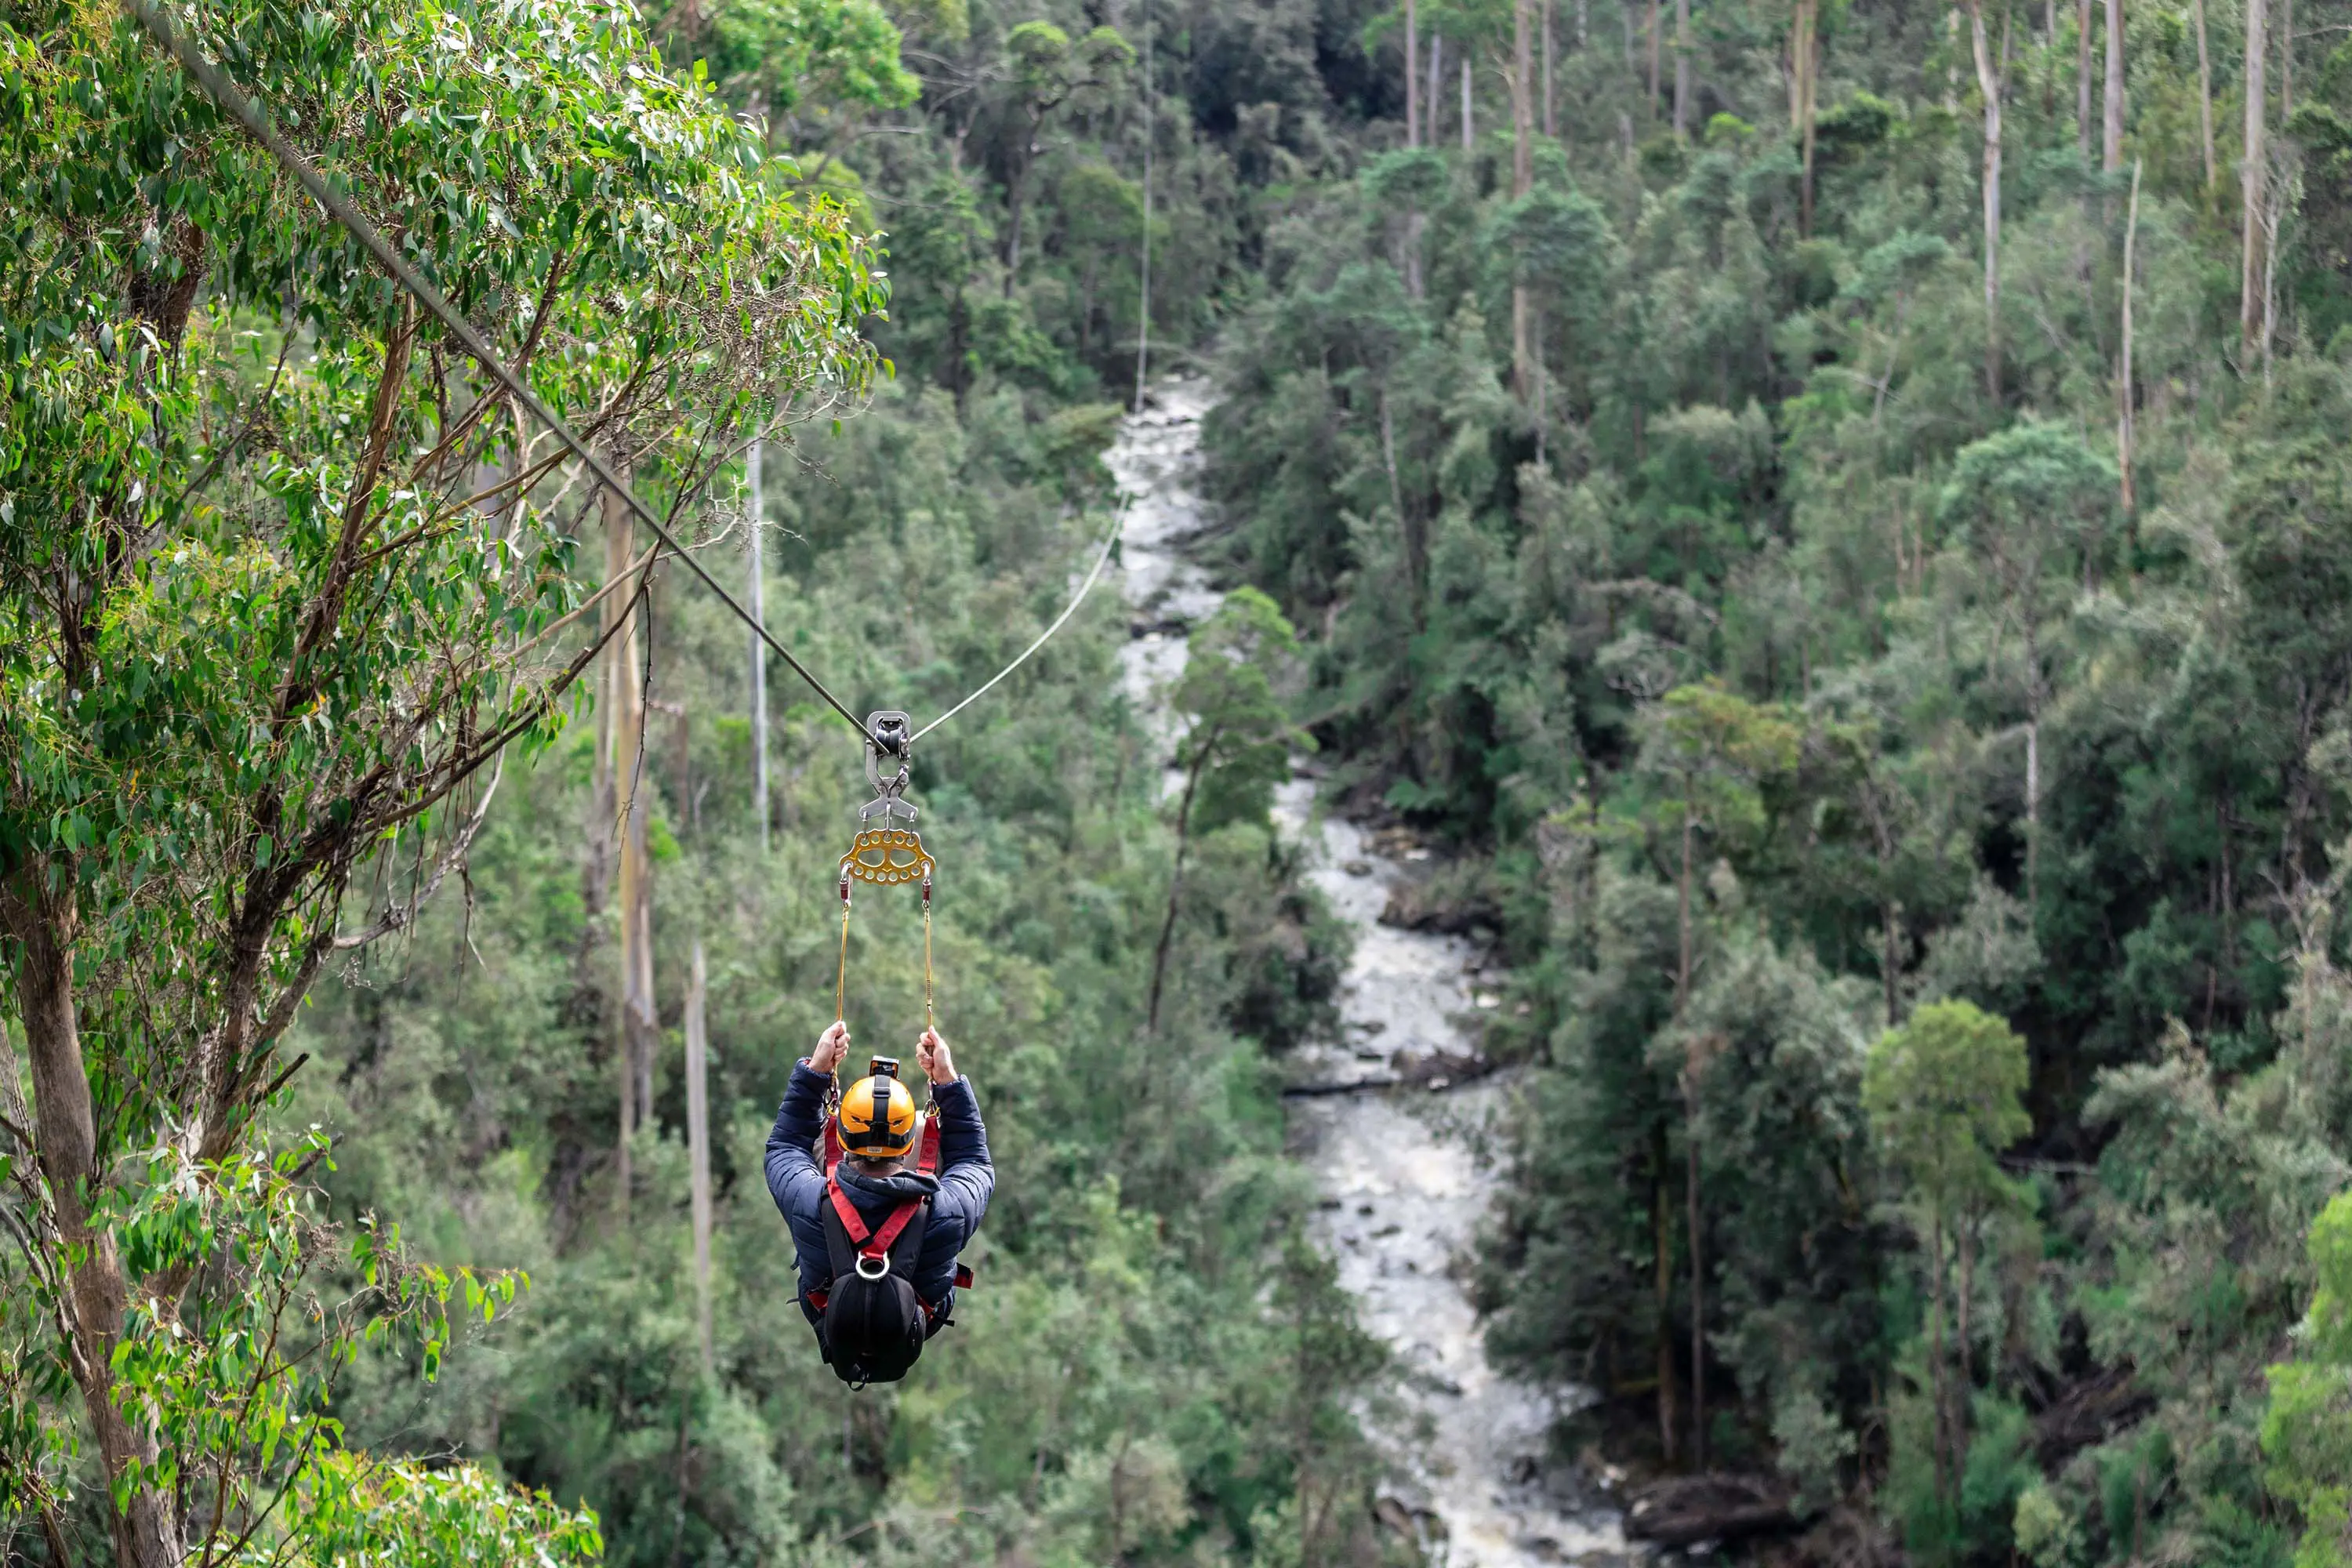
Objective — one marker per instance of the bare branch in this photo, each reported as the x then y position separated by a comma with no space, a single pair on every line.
399,917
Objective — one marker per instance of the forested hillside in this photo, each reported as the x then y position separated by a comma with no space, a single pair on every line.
1845,530
1833,520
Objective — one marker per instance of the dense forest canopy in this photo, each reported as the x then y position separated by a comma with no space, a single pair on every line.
1835,519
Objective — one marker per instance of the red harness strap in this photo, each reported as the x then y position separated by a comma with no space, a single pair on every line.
869,1244
877,1243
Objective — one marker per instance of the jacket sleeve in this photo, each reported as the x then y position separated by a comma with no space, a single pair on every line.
795,1180
966,1179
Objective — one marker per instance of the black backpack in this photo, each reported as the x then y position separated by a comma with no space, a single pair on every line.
872,1324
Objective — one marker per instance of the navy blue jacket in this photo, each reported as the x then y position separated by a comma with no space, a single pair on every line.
960,1193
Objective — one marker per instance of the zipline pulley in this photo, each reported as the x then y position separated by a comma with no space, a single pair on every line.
888,850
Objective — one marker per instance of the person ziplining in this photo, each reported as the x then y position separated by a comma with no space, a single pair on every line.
877,1232
877,1240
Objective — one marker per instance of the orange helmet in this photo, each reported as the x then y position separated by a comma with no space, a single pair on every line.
878,1118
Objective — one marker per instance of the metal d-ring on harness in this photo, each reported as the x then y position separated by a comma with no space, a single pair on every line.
888,850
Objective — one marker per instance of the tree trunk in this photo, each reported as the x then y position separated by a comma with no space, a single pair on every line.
1413,72
1683,913
1660,1234
1967,1251
2083,77
1388,458
44,923
1469,133
1947,1462
1176,880
2125,435
1017,198
2033,800
1989,84
1550,122
2252,179
1805,62
1522,177
1543,392
1657,56
1143,291
2111,141
1436,75
1682,67
1690,1138
2286,62
1699,1268
1523,120
756,601
629,802
698,1145
2205,98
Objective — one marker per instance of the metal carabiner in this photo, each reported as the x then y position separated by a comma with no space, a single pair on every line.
891,731
883,1273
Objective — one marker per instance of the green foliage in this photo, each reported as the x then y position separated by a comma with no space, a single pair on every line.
280,581
1943,1097
1239,745
2308,1430
350,1510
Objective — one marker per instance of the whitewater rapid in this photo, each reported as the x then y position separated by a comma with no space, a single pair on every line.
1473,1473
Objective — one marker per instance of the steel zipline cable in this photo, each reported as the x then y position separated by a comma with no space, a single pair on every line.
248,114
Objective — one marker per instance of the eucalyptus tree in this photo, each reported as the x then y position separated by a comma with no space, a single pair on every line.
2029,502
1049,69
1716,754
283,579
1238,746
1944,1096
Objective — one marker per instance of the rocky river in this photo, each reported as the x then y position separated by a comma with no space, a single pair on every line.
1393,1144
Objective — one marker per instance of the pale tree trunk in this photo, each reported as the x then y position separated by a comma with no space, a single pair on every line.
1413,72
1967,1251
2286,62
1176,880
2252,179
1543,392
1412,137
1989,85
757,602
2205,98
1690,1141
698,1144
1657,56
2111,141
1661,1230
2033,792
1388,457
1947,1462
1804,62
2275,196
1882,828
630,801
38,912
1143,289
2083,77
2124,433
1522,177
1437,76
1698,1276
1682,67
1468,130
1550,120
